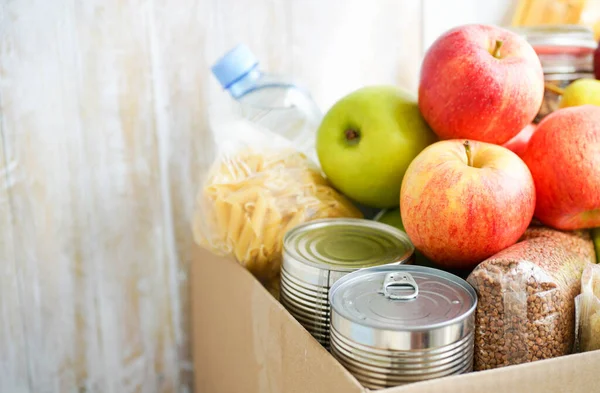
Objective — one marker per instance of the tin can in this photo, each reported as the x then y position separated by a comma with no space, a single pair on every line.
566,53
392,325
318,253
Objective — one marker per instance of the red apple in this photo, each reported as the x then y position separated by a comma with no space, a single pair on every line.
564,158
518,144
480,82
464,201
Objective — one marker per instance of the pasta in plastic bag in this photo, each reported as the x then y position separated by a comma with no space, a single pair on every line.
588,310
258,188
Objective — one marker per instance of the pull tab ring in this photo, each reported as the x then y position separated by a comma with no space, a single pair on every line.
400,281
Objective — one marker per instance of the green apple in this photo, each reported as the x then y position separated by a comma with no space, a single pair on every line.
367,140
581,92
393,218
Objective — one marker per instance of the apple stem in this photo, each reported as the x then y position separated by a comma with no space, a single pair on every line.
554,89
352,136
467,146
496,52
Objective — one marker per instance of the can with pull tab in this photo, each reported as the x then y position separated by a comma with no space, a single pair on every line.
392,325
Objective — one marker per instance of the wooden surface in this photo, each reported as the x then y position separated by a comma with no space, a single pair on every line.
103,133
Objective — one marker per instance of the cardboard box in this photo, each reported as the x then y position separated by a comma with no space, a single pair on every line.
245,341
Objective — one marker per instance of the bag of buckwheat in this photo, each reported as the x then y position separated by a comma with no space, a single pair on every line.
526,310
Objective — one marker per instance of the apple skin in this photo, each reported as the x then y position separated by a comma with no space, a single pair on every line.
564,158
465,92
459,215
369,169
518,144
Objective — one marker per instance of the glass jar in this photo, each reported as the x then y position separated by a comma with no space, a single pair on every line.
566,53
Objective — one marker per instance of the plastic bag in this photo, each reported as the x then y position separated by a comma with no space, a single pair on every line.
526,293
258,188
588,307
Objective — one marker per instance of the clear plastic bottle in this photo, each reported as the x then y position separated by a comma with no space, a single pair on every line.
272,101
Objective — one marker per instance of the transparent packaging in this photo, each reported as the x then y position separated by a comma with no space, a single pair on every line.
284,108
588,310
273,101
526,298
257,189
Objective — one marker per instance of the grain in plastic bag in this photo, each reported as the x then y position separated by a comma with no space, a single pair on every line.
526,293
588,307
257,189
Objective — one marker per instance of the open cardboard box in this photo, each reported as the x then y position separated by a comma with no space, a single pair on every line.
245,341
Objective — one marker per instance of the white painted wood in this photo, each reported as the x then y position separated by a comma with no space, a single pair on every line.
342,45
88,130
14,372
332,47
442,15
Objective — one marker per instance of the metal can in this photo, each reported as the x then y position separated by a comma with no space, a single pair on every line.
566,53
318,253
392,325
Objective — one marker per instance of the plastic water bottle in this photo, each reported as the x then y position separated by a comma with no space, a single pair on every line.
272,101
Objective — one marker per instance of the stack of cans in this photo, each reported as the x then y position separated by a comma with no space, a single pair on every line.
319,253
392,325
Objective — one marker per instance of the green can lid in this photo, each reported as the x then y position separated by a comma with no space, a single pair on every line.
347,244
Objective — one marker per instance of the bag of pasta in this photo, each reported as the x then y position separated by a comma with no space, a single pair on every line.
257,189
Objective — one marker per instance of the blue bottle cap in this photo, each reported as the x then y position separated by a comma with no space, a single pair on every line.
233,65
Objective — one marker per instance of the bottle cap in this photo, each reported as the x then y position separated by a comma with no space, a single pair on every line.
233,65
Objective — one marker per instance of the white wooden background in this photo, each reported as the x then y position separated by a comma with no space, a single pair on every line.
103,132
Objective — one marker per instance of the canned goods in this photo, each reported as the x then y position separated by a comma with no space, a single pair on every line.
318,253
566,53
392,325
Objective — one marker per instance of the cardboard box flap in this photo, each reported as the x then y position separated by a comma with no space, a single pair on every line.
245,341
